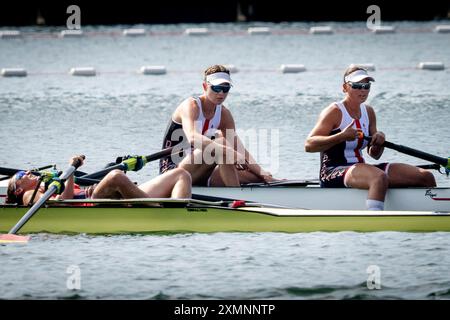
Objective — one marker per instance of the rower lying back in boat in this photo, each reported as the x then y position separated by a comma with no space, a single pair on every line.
25,187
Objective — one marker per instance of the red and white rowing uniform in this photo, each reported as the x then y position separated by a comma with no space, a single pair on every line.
335,161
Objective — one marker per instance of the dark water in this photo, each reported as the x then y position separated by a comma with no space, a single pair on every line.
49,116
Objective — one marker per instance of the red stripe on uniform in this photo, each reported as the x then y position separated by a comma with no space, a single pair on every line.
360,143
205,126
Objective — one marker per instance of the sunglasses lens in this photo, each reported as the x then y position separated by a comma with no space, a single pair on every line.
20,174
217,89
365,86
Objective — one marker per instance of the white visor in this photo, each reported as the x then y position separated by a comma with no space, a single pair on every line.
219,78
357,76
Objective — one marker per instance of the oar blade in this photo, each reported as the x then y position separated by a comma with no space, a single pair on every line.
13,238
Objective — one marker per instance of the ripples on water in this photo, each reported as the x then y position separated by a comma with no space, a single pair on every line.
229,266
45,118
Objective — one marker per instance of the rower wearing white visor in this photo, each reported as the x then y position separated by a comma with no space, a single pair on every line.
204,128
339,137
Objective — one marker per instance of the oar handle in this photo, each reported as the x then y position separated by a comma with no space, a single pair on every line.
415,153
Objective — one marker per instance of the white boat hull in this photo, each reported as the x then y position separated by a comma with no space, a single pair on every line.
314,197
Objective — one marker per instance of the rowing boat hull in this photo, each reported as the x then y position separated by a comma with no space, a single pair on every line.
144,220
300,194
316,198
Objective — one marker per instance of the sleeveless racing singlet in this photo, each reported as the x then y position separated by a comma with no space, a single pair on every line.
347,152
175,134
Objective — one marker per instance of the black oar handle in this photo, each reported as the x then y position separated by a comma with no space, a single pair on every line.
413,152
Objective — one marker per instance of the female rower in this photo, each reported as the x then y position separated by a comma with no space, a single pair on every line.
339,137
175,184
204,128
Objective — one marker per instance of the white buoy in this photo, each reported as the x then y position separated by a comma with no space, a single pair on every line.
13,72
71,33
367,66
259,31
197,31
83,71
231,67
153,70
292,68
6,34
431,66
383,29
321,30
134,32
442,28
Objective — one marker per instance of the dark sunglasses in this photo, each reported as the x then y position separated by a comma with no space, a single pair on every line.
19,175
360,85
219,88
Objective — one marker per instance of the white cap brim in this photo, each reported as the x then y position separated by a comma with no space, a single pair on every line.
219,78
357,76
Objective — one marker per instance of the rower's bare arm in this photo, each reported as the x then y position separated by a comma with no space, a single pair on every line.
319,138
375,148
68,190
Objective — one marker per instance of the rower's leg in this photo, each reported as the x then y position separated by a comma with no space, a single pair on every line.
201,170
195,166
228,174
364,176
244,176
175,183
405,175
117,185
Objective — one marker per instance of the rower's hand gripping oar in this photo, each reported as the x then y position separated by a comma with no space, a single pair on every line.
444,162
134,163
57,186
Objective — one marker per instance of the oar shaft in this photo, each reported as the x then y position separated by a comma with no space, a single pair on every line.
160,154
100,174
415,153
11,171
155,156
86,181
